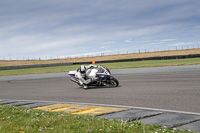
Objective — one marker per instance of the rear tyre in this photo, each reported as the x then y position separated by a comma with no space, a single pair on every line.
114,82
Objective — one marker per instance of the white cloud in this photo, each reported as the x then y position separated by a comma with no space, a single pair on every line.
169,40
180,44
108,43
103,47
128,40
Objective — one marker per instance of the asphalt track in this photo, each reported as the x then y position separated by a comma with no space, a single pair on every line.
170,88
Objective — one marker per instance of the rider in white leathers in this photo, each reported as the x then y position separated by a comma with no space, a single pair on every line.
81,75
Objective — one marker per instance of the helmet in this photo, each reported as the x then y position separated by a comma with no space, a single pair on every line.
82,69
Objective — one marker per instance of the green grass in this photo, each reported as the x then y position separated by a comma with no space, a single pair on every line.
121,65
24,120
38,70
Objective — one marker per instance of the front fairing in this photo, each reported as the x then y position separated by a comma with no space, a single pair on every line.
103,73
108,71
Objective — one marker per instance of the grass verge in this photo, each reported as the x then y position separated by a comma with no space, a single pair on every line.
120,65
24,120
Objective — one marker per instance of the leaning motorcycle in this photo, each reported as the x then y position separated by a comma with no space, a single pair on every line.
103,75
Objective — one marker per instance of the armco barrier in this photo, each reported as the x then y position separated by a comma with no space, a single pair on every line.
106,61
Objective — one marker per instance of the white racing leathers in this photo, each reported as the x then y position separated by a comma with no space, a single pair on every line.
87,77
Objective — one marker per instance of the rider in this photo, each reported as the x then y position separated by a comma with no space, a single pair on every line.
81,74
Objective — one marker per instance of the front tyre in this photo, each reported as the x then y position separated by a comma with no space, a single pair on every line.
114,82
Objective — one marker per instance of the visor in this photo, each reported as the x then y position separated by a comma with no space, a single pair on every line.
82,71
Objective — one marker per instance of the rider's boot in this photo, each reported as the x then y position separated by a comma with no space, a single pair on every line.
85,86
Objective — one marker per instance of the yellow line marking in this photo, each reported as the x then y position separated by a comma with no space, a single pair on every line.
79,108
80,111
60,109
55,107
101,110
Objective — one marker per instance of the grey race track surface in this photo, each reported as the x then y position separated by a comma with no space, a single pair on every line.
171,88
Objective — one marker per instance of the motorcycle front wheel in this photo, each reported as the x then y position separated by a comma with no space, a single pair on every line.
114,82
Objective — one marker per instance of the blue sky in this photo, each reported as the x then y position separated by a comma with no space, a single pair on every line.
62,28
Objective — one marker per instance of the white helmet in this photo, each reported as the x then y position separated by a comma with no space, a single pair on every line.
82,69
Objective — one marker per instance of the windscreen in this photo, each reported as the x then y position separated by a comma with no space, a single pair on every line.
100,70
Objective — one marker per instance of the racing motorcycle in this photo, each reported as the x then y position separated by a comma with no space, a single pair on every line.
103,75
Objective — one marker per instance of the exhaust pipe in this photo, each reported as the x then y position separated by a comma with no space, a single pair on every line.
74,80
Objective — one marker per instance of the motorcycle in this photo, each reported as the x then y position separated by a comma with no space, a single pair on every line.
103,75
